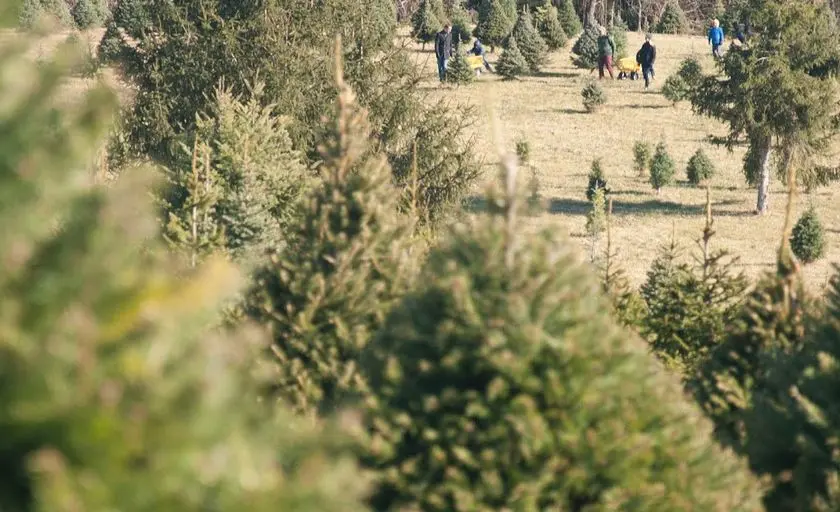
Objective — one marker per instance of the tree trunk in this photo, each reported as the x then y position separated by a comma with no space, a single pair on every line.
764,152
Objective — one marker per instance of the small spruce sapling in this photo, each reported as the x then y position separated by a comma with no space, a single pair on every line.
662,168
594,96
549,27
808,237
700,168
531,44
678,86
642,154
596,221
460,72
512,63
597,180
523,151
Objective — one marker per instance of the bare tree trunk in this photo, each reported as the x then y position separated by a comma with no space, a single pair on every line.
764,152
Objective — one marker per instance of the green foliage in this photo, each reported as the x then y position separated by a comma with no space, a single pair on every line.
90,13
662,168
642,155
569,18
535,200
690,306
461,31
597,180
459,71
808,237
494,23
523,151
772,322
512,63
177,55
673,20
677,87
594,96
115,396
531,44
585,49
700,168
425,22
618,32
596,219
781,89
327,291
255,175
502,383
549,27
794,420
34,11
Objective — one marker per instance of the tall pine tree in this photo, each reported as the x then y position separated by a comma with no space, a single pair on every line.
494,23
531,44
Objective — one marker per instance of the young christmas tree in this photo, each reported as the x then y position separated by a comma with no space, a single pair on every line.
512,63
808,237
90,13
549,27
596,221
494,23
597,180
700,168
593,96
662,168
460,19
673,20
33,12
772,322
569,18
460,72
115,394
530,42
425,23
503,383
642,155
347,261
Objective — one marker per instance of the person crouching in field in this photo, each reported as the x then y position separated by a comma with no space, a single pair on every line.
716,38
478,49
606,50
645,57
443,50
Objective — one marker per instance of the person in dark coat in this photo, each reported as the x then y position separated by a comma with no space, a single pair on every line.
443,50
645,57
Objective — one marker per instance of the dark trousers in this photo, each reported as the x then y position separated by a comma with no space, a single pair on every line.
716,50
441,62
647,72
605,62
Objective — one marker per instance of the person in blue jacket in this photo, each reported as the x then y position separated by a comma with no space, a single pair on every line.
478,49
716,38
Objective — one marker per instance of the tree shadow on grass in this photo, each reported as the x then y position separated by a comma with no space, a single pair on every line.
555,74
639,105
652,206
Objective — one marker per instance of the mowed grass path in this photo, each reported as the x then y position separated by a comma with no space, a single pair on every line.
547,111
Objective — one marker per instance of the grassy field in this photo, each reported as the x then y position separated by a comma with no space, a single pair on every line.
547,111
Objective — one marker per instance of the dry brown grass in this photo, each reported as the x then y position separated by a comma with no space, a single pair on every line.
547,111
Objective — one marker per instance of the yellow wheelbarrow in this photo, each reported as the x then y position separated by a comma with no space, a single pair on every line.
628,68
476,62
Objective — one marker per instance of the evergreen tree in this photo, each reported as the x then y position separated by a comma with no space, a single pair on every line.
549,27
691,306
35,11
585,49
808,237
494,23
512,64
700,168
618,32
642,155
531,45
676,87
325,294
594,96
781,90
460,72
569,18
596,219
673,20
502,383
461,32
258,176
662,168
90,13
425,22
793,424
597,180
114,394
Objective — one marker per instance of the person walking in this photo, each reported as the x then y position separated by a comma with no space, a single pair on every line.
478,49
443,50
716,38
606,50
645,57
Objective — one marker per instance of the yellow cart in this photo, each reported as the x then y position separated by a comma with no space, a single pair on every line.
628,68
